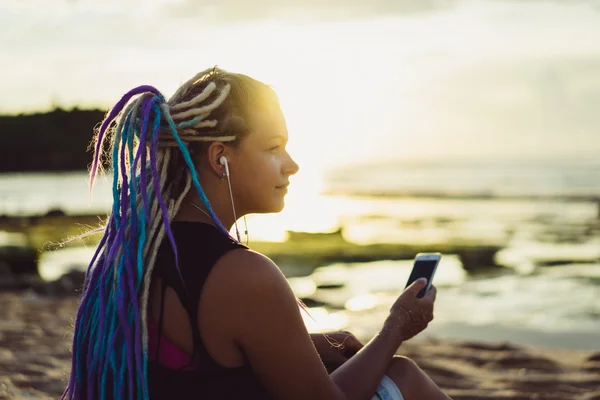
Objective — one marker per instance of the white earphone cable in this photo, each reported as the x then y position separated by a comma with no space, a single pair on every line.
223,161
237,232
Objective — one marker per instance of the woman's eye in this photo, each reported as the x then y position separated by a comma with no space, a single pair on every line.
276,148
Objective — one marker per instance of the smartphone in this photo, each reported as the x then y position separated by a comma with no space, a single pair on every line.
424,267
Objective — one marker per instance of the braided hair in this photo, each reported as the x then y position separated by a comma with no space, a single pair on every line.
151,142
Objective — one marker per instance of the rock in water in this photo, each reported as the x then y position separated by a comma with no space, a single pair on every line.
69,284
18,262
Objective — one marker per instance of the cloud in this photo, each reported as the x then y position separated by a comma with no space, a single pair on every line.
242,10
527,106
236,10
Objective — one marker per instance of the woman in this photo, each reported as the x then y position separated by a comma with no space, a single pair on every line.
173,306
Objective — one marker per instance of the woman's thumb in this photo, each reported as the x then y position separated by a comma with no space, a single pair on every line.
417,285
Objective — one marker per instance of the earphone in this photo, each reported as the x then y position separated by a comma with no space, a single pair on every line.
223,161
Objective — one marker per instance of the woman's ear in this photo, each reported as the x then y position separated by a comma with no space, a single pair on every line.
216,150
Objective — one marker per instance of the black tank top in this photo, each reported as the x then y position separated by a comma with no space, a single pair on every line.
199,247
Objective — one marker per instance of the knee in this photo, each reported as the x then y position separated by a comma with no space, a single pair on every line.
402,368
405,373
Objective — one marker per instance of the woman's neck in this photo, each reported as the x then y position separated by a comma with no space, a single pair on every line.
193,209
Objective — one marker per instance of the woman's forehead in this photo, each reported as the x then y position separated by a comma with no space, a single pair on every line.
270,127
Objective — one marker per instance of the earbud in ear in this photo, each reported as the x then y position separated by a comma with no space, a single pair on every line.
223,161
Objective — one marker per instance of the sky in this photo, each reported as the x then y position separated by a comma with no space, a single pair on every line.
358,80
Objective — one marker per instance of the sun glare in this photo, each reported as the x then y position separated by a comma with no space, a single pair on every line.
337,114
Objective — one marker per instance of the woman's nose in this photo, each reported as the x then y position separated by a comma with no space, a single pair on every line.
291,166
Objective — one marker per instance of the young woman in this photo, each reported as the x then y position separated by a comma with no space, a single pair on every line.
176,308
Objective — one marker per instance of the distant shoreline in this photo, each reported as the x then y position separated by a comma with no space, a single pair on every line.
400,194
53,141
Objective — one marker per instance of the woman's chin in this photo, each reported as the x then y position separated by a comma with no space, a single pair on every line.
280,208
277,206
271,208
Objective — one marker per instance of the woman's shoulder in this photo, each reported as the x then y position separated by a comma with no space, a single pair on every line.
243,279
245,284
248,268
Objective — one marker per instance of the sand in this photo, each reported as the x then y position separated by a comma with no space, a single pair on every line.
35,334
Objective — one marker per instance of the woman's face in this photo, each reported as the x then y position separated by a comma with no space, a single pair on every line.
260,167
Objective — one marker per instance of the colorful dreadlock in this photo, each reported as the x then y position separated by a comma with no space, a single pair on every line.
110,337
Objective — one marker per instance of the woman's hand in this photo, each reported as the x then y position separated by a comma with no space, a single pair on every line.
410,315
335,348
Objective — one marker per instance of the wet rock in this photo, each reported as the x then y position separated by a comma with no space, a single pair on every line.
336,285
478,258
69,284
594,357
18,262
312,303
55,212
519,361
489,346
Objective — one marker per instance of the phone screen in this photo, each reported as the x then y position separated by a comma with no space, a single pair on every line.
422,269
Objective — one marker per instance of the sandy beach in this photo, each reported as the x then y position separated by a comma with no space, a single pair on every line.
35,337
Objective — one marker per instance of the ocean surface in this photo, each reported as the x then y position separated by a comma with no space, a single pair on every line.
541,213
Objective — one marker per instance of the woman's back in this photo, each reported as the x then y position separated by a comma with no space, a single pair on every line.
183,357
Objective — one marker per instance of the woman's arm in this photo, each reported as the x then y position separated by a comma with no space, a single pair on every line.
264,320
335,348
